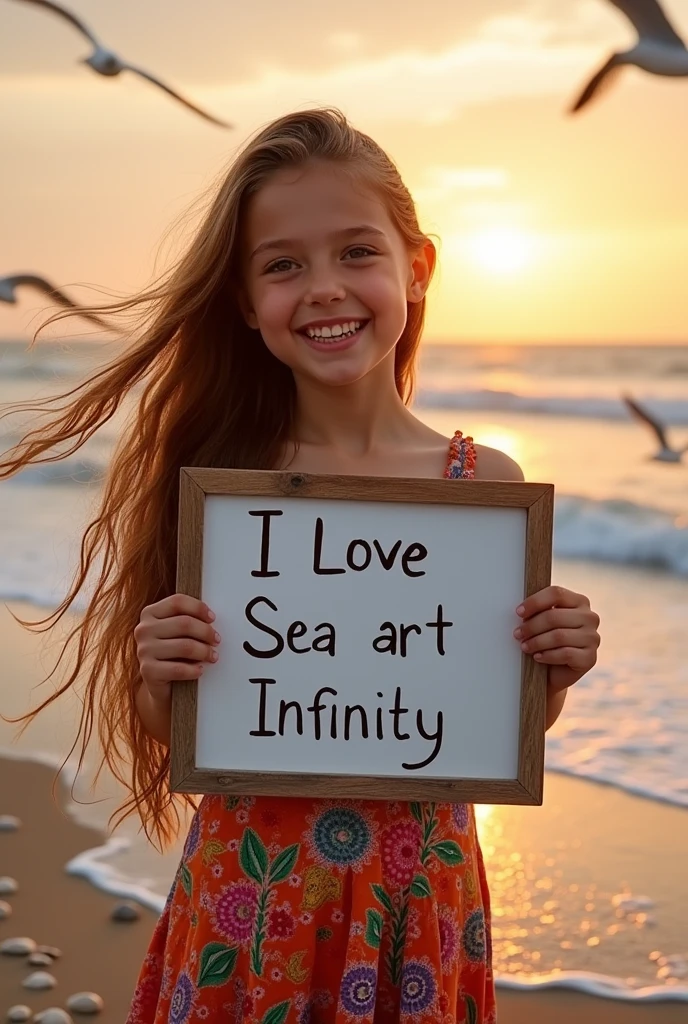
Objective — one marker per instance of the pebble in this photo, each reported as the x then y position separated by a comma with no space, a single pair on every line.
85,1002
18,946
126,912
8,823
52,951
19,1013
8,886
5,910
40,960
53,1015
40,980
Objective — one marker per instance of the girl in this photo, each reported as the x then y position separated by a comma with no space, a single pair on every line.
284,337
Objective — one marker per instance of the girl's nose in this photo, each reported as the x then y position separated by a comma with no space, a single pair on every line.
323,287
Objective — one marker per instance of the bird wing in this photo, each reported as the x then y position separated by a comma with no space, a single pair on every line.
645,417
68,16
57,296
175,95
650,21
599,83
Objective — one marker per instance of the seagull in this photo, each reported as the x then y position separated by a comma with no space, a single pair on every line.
11,282
665,454
107,63
659,49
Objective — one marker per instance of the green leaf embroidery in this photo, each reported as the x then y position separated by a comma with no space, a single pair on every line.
231,802
471,1010
382,897
253,856
186,879
217,963
448,852
373,933
417,812
420,886
283,864
277,1014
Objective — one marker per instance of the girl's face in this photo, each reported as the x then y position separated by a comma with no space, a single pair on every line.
326,274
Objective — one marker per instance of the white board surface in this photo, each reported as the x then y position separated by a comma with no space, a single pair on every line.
462,706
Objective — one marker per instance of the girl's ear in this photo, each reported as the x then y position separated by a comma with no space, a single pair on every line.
247,309
420,272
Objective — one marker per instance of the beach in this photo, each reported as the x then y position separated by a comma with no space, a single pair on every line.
104,956
589,891
587,844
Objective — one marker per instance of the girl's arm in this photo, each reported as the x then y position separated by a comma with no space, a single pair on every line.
155,714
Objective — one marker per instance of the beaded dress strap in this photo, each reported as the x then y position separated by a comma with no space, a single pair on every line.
461,458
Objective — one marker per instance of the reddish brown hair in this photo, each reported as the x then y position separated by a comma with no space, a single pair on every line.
211,394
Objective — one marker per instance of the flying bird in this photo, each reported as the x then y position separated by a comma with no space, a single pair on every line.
107,63
10,283
659,49
666,453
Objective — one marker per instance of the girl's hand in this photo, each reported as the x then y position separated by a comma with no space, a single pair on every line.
559,629
174,640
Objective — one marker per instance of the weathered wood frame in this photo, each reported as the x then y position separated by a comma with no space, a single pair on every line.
538,501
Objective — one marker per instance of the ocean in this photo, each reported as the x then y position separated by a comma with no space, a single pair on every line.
621,537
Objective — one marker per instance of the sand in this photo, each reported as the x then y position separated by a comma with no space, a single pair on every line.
595,835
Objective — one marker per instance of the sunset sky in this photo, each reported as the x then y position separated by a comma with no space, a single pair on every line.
553,228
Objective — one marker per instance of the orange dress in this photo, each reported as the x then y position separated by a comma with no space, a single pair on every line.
302,911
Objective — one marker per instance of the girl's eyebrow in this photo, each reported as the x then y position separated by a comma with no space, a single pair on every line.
287,243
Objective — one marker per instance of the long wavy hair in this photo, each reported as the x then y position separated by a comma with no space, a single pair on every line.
210,393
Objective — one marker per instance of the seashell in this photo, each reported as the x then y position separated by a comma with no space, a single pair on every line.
51,951
39,960
19,1013
85,1002
125,912
53,1015
8,886
39,981
20,946
8,823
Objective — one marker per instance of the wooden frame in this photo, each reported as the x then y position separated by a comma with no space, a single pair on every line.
538,502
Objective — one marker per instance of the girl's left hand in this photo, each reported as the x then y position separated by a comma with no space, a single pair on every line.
559,629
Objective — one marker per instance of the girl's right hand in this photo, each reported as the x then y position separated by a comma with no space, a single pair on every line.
174,640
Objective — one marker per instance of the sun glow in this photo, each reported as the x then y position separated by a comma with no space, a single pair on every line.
504,250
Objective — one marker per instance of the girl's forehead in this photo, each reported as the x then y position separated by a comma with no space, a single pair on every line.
316,199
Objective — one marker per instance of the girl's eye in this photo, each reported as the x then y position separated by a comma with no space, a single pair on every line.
278,265
362,250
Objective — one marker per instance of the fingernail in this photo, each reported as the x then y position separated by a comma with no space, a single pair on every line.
217,637
520,610
211,615
518,633
213,655
524,645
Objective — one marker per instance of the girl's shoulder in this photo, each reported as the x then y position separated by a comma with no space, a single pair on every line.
491,464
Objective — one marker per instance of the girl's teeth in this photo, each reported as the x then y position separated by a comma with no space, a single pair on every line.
336,331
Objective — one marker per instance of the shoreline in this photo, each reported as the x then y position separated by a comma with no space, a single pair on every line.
55,907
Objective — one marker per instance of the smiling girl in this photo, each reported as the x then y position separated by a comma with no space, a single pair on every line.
284,337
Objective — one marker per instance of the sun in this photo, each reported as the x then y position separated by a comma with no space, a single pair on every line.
502,250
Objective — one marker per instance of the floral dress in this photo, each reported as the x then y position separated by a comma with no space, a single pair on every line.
313,911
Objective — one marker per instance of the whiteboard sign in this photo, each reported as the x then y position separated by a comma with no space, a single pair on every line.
361,639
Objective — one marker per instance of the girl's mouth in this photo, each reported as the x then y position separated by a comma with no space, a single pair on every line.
335,343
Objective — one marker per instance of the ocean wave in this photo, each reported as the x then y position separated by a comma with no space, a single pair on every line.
64,473
672,411
621,532
593,984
